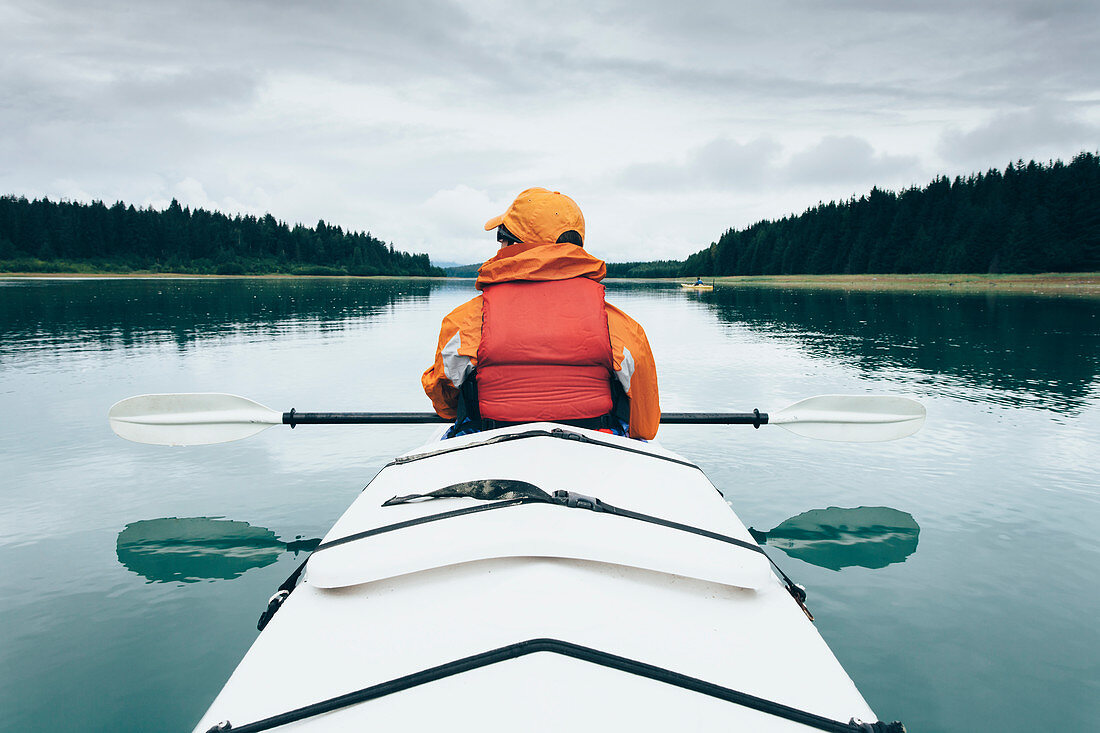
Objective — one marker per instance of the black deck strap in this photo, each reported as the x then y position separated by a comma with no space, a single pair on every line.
540,433
516,488
580,501
568,649
424,520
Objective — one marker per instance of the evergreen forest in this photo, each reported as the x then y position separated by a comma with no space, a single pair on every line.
48,236
1029,218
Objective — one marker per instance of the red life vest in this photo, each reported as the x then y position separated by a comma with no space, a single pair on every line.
545,351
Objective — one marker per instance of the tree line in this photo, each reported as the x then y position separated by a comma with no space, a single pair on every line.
49,236
1029,218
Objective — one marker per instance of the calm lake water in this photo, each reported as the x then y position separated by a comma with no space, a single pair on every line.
984,620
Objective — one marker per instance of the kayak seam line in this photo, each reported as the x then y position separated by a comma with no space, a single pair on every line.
556,646
556,433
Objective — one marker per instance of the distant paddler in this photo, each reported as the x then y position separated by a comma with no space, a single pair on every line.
697,285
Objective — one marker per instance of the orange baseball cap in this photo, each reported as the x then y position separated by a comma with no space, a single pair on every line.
538,216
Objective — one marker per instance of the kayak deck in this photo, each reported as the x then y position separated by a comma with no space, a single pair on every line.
374,610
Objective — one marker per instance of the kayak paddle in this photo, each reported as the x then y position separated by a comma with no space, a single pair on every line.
206,418
834,538
190,549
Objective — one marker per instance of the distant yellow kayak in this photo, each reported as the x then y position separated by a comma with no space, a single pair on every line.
693,286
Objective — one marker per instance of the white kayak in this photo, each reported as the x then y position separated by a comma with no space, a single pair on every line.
508,613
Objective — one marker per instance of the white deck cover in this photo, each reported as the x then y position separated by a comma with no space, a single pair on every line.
398,603
631,481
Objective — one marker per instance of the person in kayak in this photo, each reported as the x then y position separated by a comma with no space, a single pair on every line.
540,343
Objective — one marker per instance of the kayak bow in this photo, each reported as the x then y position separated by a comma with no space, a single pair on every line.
480,584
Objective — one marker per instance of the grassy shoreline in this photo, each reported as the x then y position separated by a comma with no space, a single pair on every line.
1080,284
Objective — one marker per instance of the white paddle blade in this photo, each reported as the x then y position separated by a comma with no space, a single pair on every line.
189,419
852,418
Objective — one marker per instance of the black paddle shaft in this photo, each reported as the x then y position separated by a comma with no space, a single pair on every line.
754,418
292,418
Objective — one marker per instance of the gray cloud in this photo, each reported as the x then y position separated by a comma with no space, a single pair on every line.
1034,133
846,159
721,163
360,113
202,88
873,53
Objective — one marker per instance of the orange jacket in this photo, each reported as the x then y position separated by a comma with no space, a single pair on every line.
460,335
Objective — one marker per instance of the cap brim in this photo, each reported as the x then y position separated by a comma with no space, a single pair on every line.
494,222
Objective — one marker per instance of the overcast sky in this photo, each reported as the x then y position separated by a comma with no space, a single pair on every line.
668,122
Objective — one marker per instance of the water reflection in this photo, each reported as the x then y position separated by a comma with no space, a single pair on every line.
834,538
104,313
1040,351
649,287
200,548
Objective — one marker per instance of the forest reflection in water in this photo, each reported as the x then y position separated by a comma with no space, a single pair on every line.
122,312
1022,350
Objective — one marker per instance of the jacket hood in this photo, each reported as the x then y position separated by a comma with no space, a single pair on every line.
539,262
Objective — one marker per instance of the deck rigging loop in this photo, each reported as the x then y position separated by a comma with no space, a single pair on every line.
280,595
